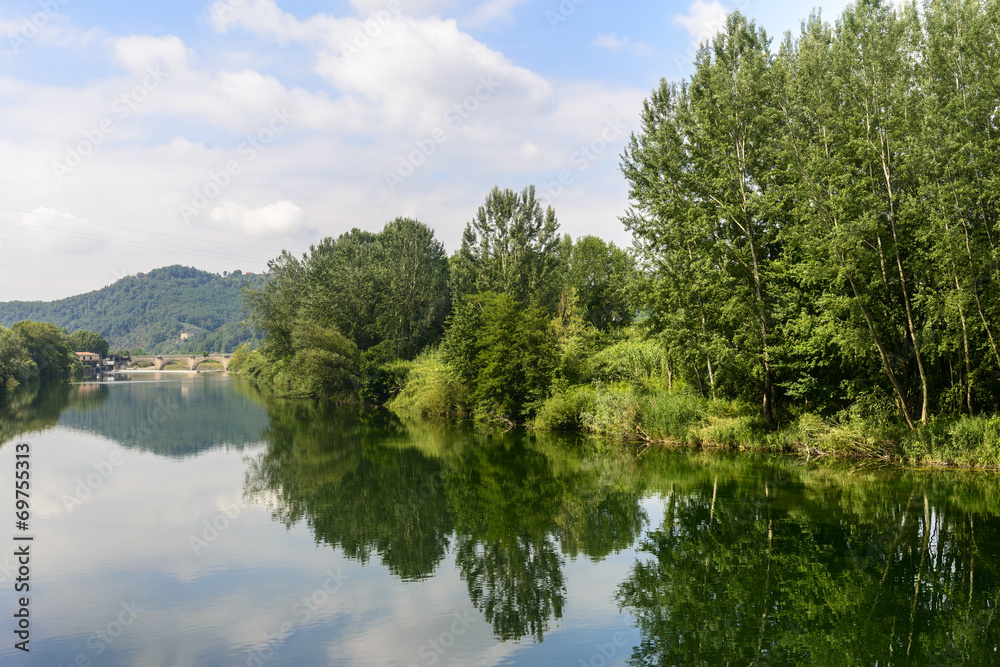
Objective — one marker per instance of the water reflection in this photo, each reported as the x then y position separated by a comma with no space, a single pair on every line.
35,409
756,560
789,565
173,418
510,508
714,559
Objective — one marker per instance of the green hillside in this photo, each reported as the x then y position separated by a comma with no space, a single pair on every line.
150,311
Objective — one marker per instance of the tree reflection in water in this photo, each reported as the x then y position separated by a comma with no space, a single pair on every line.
757,561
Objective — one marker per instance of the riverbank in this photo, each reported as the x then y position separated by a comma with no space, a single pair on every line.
680,418
645,411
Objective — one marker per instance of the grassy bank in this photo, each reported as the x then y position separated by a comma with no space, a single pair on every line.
628,397
680,418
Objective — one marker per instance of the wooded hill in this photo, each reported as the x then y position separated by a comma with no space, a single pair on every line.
150,311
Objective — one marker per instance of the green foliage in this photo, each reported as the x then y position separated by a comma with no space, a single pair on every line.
88,341
49,348
602,275
17,367
817,224
509,248
503,353
634,360
391,286
239,357
430,389
151,311
382,374
565,410
703,175
575,340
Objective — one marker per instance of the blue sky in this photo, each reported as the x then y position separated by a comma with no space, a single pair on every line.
216,134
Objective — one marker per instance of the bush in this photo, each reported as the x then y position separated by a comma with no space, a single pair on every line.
623,413
382,374
642,363
672,416
429,389
564,410
972,441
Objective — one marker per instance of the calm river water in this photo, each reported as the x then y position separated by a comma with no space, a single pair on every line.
187,520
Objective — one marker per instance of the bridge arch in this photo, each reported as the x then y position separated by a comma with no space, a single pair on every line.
198,361
192,361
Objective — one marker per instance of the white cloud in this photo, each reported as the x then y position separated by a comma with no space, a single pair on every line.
492,11
278,219
411,7
137,53
703,21
406,71
41,29
351,125
614,43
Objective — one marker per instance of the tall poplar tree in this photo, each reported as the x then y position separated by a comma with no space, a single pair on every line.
702,177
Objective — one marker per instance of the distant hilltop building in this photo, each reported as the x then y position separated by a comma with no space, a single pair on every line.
186,334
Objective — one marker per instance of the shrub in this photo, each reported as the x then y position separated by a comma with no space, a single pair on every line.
429,389
564,410
639,362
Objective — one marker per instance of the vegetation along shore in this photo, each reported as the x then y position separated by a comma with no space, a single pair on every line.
815,266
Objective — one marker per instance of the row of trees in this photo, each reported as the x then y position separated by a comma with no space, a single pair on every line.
32,352
818,225
338,318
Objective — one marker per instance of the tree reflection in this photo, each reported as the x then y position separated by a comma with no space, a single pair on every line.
745,571
334,469
757,561
511,508
35,408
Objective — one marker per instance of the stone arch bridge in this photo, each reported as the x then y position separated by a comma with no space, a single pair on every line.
192,360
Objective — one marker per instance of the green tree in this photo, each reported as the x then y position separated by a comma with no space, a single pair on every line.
510,247
88,341
272,303
502,352
49,348
602,275
16,365
411,272
851,109
702,175
340,289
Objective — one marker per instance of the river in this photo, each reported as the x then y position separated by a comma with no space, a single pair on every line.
188,520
